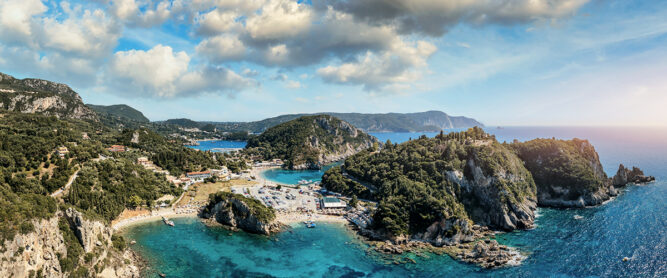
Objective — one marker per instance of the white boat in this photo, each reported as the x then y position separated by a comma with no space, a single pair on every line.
167,221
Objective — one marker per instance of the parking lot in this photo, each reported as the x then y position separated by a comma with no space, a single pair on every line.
288,199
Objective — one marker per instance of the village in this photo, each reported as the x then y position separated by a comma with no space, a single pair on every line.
304,202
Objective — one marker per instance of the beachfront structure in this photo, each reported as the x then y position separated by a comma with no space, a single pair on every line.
116,148
198,176
332,203
62,151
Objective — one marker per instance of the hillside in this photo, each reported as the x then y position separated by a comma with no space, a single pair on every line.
120,111
390,122
41,96
432,189
568,173
310,141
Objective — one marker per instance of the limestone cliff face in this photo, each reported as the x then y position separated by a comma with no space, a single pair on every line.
239,212
39,251
567,173
41,96
34,251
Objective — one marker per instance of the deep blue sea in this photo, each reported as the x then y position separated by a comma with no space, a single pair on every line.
633,225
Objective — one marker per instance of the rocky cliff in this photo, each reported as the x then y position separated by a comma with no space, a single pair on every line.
624,176
434,189
237,211
50,250
310,142
41,96
568,173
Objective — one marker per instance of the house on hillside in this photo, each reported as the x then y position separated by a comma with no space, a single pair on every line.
198,176
116,148
62,151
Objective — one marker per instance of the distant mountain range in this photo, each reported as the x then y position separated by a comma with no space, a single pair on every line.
50,98
120,111
389,122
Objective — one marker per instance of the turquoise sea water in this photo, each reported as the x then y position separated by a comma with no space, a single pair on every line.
212,145
294,176
633,225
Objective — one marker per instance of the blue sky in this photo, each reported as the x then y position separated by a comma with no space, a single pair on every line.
521,62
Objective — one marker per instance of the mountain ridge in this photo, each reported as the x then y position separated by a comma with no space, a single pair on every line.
428,121
31,95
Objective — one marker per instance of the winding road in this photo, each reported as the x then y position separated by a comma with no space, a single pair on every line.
69,182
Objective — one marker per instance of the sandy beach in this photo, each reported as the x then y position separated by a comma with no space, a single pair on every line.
289,218
146,218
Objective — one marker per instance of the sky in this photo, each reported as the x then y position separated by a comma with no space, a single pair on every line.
502,62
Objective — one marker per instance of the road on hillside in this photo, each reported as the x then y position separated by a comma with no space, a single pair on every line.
69,182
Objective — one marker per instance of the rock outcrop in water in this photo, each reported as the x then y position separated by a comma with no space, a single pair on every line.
624,176
41,96
567,173
45,250
310,142
237,211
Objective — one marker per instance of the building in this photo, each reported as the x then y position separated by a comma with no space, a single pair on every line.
116,148
62,151
220,172
332,203
198,176
143,161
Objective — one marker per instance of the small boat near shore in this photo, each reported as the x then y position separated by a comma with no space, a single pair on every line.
310,224
167,221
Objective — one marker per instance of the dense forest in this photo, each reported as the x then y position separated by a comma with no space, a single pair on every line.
415,182
31,169
306,139
573,165
107,187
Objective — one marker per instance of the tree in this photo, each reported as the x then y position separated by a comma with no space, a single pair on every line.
135,201
354,201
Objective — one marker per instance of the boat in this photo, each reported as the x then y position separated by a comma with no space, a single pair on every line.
167,221
576,216
310,224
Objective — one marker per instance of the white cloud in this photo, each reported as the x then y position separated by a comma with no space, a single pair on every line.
217,21
144,13
161,72
277,54
279,19
221,48
401,64
16,19
155,70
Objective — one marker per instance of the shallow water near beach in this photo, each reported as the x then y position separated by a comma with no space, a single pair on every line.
634,225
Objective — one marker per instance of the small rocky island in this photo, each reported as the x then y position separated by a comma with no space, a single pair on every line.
310,142
239,212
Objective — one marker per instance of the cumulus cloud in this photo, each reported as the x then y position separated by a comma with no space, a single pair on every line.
401,64
145,13
279,19
435,17
222,48
16,19
376,44
161,72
